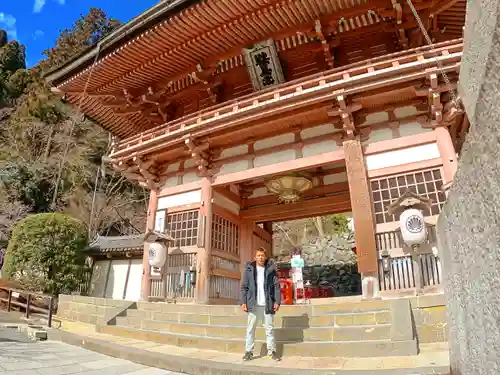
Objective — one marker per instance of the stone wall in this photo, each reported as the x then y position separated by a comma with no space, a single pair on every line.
89,309
430,319
468,227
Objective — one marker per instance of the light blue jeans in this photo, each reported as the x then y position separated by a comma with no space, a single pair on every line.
255,317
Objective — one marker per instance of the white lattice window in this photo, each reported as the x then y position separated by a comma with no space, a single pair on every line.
387,189
183,227
225,235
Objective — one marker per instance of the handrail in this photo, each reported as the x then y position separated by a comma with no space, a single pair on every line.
28,305
382,68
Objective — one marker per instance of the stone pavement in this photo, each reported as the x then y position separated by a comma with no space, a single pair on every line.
9,335
21,356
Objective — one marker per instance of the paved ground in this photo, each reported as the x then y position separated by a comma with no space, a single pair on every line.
21,356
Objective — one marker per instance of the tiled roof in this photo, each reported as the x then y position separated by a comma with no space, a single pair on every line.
117,243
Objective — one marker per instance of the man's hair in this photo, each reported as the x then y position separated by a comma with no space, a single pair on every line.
260,249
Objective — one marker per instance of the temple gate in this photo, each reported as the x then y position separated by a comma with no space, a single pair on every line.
347,103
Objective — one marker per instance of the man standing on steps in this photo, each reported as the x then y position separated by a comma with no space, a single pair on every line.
261,299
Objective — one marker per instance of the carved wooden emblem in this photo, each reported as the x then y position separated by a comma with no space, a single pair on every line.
263,65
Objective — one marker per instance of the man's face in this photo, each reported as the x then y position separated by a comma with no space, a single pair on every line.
260,258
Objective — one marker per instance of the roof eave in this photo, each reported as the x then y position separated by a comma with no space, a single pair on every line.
137,25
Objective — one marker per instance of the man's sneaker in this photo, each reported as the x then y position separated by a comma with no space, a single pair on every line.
248,356
275,356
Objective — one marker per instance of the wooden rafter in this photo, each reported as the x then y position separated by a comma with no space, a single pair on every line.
411,68
140,170
308,28
201,156
362,129
441,6
401,32
325,44
345,112
440,114
244,22
436,108
144,167
208,81
173,56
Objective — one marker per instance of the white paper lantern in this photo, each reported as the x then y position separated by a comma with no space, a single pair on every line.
413,228
157,254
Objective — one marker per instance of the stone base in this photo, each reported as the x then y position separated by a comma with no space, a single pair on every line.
201,362
338,326
370,287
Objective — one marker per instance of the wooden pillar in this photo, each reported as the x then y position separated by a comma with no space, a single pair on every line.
246,243
362,210
204,250
268,226
150,225
447,152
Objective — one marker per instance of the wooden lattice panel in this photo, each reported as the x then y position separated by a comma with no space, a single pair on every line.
169,285
224,264
392,240
224,287
387,189
183,226
225,235
401,275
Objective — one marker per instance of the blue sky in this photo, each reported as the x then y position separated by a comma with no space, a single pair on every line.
37,23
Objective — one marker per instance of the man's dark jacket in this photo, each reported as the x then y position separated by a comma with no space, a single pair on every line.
271,286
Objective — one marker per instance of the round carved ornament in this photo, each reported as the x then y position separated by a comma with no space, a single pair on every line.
414,224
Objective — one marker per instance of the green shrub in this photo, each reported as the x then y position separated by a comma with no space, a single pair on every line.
45,253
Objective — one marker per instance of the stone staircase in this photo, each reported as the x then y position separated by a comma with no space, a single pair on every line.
96,311
357,329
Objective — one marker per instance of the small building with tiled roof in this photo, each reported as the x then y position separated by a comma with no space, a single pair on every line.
117,246
117,263
116,267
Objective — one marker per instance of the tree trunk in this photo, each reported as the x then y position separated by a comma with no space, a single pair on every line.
49,143
319,226
304,235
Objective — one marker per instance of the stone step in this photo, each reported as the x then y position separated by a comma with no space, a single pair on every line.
290,333
283,318
372,348
229,310
431,360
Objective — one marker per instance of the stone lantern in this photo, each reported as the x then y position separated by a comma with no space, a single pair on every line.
410,208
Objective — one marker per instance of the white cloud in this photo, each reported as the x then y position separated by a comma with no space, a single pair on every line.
38,5
8,23
61,2
38,34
